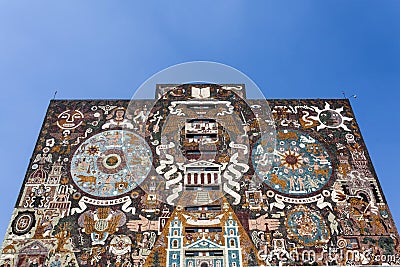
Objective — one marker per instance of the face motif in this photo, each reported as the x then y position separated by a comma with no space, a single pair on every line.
330,118
119,114
69,120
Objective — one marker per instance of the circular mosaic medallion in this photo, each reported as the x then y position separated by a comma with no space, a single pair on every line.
301,164
306,226
23,222
111,163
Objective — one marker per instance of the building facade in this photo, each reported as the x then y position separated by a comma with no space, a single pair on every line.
200,176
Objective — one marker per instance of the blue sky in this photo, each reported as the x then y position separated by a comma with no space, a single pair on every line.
106,49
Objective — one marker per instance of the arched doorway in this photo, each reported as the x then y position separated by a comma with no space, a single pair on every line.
204,264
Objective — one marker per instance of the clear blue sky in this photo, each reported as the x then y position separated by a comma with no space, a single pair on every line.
106,49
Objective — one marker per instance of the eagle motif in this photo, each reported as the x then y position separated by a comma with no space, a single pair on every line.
101,223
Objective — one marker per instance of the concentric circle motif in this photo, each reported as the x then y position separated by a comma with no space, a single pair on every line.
306,226
111,163
301,164
23,222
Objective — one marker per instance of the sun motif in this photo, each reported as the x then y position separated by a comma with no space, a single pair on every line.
93,150
291,159
330,118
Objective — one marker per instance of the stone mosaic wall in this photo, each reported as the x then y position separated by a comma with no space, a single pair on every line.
200,177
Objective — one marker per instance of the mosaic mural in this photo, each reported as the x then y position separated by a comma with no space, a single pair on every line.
200,176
